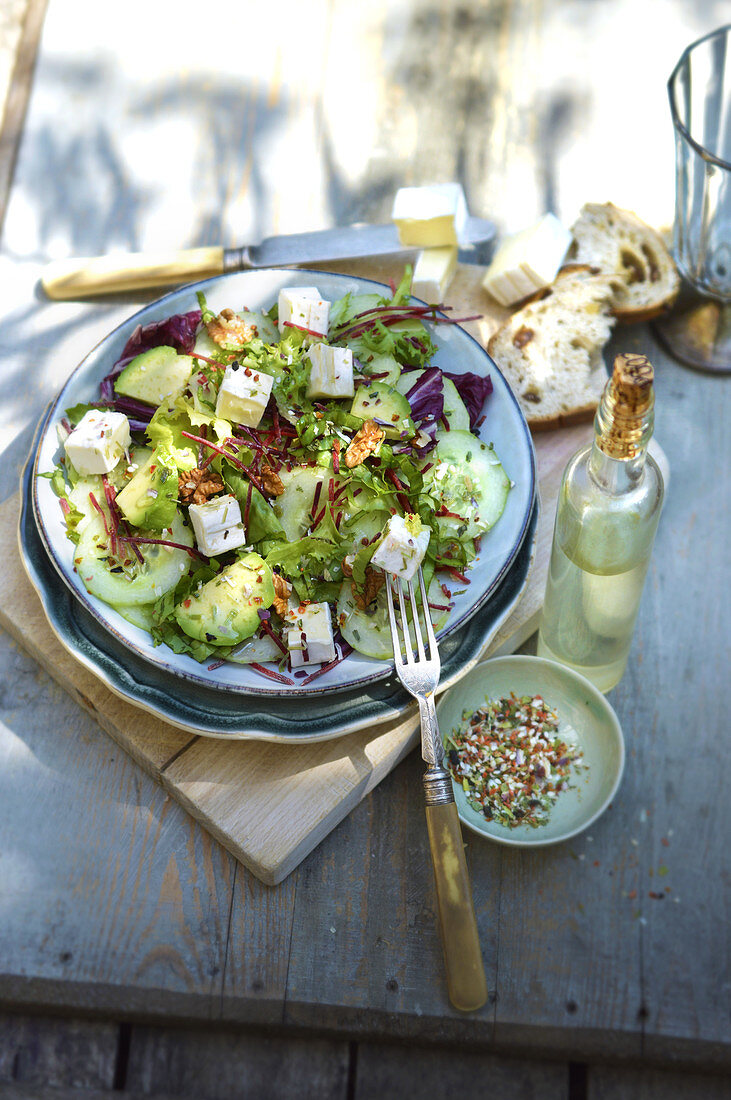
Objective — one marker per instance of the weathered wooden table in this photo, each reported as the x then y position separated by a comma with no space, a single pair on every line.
136,955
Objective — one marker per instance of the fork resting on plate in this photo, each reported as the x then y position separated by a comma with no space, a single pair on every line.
420,676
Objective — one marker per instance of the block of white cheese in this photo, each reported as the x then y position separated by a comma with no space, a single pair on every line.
331,372
310,635
427,217
98,441
243,395
528,261
433,273
217,525
303,307
402,549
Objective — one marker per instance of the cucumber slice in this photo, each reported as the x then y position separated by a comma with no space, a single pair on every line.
369,522
466,478
139,615
293,508
369,632
455,410
142,583
255,649
347,308
387,406
79,498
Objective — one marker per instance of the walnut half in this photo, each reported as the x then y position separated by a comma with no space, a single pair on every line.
229,331
365,441
196,486
280,603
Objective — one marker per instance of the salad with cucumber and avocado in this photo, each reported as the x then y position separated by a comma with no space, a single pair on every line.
244,480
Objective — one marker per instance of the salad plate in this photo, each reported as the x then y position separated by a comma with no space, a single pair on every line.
211,713
457,353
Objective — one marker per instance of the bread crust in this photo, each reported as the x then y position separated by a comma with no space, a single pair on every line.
654,255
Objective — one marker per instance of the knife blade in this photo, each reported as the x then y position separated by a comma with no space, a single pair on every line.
84,277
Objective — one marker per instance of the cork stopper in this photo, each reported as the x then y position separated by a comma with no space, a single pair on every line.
625,414
632,380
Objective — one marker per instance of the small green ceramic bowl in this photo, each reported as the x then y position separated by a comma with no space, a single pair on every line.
585,719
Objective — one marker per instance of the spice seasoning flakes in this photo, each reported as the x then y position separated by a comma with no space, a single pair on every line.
511,762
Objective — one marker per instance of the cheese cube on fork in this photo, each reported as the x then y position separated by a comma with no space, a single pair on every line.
403,547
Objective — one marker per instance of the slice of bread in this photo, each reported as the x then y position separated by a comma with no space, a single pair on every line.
550,350
616,241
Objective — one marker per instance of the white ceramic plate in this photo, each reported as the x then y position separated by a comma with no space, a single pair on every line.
458,352
585,718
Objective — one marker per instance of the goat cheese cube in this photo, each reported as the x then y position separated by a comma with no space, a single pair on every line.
217,525
403,546
98,441
428,217
303,307
433,273
243,395
527,261
310,634
331,372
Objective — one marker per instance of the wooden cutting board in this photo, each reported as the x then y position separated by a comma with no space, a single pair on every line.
270,805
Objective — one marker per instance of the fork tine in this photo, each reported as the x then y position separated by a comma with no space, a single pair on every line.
395,640
405,625
427,616
417,625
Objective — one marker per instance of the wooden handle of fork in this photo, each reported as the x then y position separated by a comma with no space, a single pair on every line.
460,939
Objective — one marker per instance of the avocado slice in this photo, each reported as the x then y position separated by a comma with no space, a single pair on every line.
225,610
387,406
150,499
154,375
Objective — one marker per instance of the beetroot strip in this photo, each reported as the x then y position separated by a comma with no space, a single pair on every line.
271,675
274,636
137,540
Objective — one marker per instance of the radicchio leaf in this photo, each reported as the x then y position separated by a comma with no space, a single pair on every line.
426,397
176,332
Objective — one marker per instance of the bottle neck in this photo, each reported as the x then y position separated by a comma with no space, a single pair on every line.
621,438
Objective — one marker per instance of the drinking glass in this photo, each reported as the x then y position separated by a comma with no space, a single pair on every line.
698,332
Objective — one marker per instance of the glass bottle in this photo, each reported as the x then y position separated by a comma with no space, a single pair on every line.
607,514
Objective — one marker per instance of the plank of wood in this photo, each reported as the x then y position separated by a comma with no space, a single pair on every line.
619,1083
397,1070
41,1051
223,1064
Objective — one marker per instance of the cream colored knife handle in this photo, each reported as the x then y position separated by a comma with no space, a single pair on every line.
460,939
80,278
